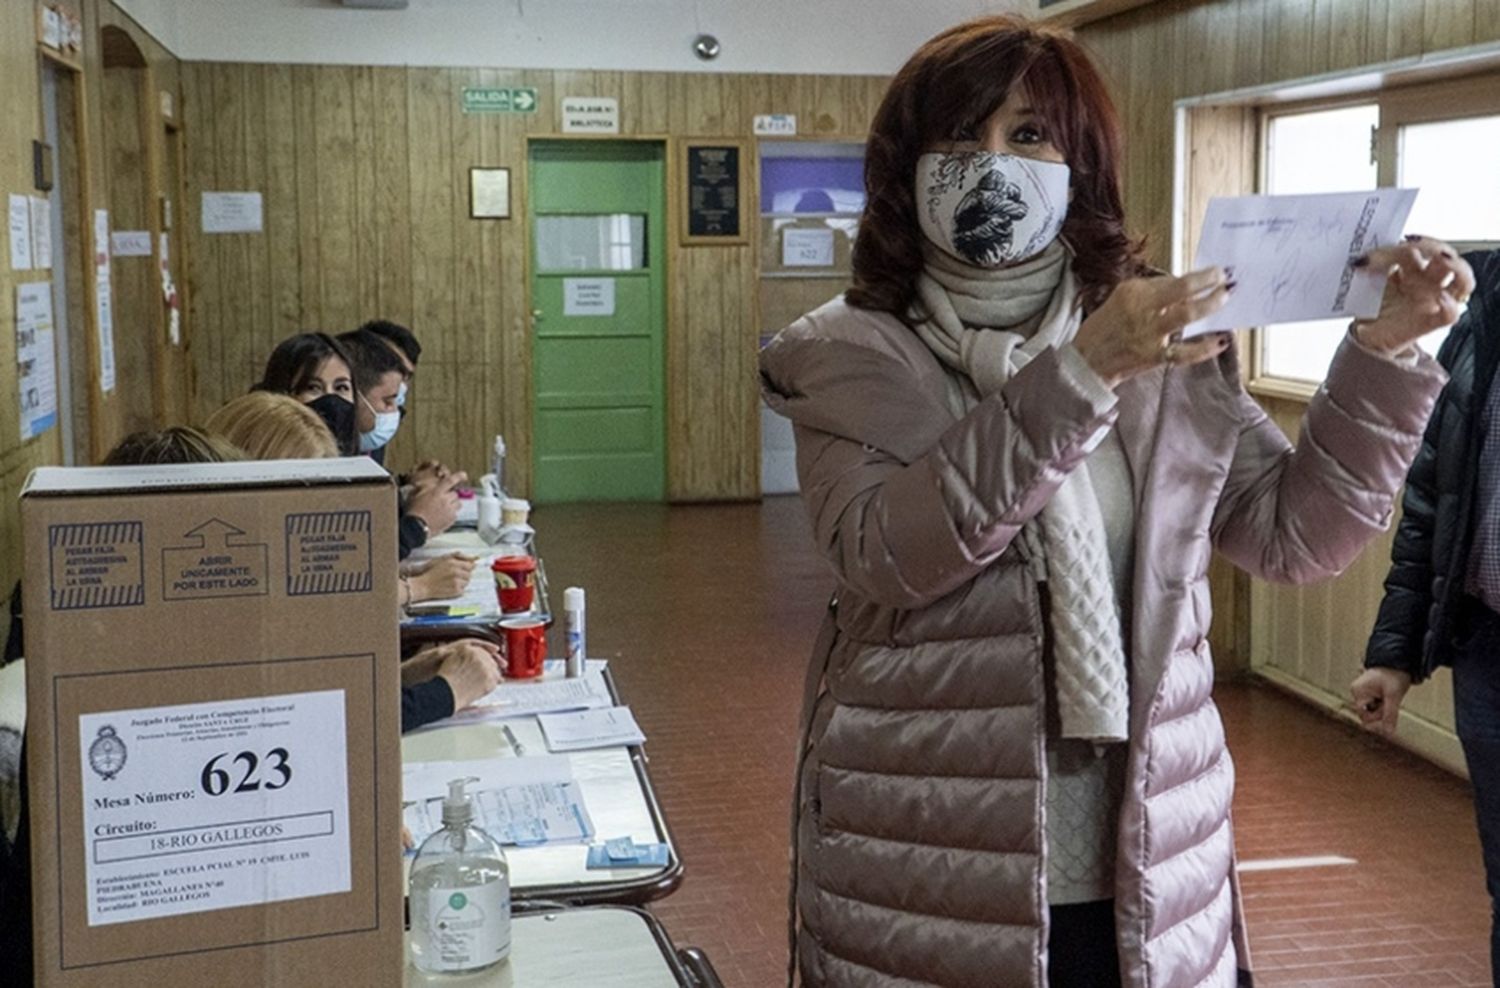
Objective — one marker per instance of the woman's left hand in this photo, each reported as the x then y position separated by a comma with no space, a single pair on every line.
1426,288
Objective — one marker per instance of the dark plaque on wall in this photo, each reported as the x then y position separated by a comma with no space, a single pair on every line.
714,194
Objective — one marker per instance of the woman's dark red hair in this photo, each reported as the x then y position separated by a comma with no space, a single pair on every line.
949,88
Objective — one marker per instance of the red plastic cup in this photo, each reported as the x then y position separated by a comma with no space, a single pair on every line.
525,647
515,583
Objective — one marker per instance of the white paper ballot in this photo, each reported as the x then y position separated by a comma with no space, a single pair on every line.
1292,255
429,780
604,728
525,698
204,806
540,812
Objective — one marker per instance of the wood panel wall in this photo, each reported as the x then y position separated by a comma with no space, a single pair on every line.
364,171
1309,639
20,124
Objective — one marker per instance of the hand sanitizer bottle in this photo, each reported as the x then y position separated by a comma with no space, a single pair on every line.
497,465
459,894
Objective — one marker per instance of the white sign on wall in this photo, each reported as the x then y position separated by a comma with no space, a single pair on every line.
588,296
130,243
776,124
232,212
590,115
36,370
803,248
104,301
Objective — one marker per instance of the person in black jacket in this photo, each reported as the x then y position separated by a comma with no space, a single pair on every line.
1442,596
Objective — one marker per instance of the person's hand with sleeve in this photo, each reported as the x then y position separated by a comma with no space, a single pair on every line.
436,503
440,578
1426,287
471,669
1378,692
1140,324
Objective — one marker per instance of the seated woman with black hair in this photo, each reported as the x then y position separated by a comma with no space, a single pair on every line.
313,368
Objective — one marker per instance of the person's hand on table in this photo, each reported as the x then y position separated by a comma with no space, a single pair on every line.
1427,287
441,578
472,669
436,502
1140,324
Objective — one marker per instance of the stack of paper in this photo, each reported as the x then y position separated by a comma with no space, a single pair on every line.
526,698
520,801
607,727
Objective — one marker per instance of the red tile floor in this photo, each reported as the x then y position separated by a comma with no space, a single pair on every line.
707,615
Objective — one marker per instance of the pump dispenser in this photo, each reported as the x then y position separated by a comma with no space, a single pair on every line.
459,894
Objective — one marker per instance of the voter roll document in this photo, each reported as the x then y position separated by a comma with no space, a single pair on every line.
1293,256
203,806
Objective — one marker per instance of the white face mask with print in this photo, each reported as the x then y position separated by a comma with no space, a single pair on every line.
989,209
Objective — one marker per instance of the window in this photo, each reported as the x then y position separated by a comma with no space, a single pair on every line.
609,242
1427,137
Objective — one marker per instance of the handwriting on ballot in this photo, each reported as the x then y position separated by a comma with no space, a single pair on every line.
1293,256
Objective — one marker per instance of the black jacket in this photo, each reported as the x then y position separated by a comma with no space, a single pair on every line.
1415,627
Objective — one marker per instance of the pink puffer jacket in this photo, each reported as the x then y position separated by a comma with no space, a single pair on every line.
920,833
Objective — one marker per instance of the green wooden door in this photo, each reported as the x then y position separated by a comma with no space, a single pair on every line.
598,214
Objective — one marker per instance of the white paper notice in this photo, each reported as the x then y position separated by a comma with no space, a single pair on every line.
590,115
1292,255
41,234
130,243
804,248
232,212
35,358
588,296
104,299
206,806
20,233
608,727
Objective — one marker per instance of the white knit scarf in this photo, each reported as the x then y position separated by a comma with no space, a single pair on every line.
988,324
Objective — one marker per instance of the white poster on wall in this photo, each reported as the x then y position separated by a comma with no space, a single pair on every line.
807,248
35,358
41,234
232,212
590,115
104,301
130,243
20,233
588,296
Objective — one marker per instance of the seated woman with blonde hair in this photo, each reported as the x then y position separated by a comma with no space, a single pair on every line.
271,426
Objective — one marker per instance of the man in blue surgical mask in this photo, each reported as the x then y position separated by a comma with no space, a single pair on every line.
430,505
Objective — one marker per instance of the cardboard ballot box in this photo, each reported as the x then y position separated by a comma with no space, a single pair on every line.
214,724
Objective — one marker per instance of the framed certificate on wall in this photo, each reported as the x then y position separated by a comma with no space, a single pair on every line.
489,193
714,187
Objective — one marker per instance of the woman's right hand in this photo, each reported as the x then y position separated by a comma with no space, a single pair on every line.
1136,328
444,577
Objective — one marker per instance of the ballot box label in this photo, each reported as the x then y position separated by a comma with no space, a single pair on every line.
328,552
203,806
96,565
214,559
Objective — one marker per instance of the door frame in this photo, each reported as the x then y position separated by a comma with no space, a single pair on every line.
669,223
82,261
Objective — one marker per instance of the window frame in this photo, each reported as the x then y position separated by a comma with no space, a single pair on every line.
1457,98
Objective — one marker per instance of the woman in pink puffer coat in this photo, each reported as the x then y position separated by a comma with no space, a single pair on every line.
1013,773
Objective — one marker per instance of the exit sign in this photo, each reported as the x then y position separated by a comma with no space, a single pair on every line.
499,99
